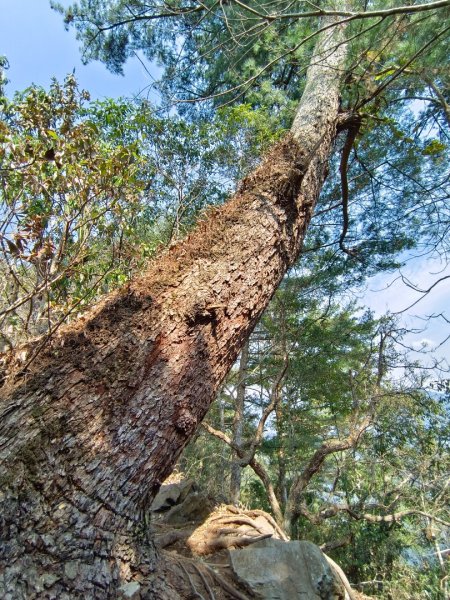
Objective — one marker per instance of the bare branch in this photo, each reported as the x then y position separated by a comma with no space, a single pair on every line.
389,12
398,516
294,507
424,292
331,511
255,465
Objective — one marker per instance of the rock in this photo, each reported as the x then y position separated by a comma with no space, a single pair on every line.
194,509
278,570
171,494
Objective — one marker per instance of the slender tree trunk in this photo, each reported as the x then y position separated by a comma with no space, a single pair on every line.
238,426
93,423
280,417
224,454
280,488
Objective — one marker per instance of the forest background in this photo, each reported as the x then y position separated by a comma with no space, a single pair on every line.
331,419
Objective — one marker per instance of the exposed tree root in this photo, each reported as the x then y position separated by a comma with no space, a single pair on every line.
205,583
260,513
194,589
226,586
232,528
171,537
227,527
198,583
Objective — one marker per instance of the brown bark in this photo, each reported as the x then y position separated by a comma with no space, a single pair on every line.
93,422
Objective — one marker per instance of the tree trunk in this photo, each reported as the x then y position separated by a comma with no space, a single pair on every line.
93,420
238,426
280,488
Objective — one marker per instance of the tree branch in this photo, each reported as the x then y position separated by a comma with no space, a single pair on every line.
331,511
352,131
274,399
389,12
294,508
402,69
151,17
257,467
330,447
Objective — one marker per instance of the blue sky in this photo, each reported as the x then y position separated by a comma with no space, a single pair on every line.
33,38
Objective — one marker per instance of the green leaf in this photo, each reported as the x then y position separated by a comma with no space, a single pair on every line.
52,134
433,148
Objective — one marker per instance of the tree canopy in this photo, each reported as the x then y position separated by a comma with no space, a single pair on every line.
389,183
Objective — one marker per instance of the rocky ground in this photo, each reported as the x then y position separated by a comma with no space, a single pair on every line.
222,552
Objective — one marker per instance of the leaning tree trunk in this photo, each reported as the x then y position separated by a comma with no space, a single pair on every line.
93,422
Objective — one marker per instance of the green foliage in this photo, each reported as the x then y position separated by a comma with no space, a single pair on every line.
344,366
396,80
402,463
90,190
4,65
67,209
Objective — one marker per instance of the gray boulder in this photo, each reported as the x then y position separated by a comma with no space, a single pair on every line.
276,570
171,494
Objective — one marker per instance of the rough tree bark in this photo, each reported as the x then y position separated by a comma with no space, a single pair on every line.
93,422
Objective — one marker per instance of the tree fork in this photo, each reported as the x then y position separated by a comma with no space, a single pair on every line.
92,425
